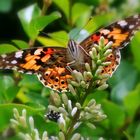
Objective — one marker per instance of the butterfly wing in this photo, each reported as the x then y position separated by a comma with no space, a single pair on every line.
48,63
119,33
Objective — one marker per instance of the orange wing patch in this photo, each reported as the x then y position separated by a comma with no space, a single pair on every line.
55,78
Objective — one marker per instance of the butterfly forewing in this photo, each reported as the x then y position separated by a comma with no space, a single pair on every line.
119,33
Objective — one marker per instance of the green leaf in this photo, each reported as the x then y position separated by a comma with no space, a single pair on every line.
80,18
60,36
45,41
33,96
7,48
42,21
26,16
132,102
33,22
30,82
64,5
135,48
6,82
5,5
119,81
137,133
114,113
21,44
11,93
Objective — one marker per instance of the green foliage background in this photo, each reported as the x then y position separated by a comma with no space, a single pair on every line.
20,23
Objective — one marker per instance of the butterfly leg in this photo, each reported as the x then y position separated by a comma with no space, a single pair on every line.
70,64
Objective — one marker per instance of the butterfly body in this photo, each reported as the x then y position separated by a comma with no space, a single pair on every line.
54,66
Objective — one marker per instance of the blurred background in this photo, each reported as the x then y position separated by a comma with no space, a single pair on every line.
66,19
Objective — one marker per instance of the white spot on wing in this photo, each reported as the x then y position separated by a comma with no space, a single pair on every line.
3,55
105,31
18,54
14,62
37,52
131,26
122,23
136,16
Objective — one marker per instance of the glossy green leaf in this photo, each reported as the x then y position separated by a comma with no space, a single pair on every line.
7,48
64,5
114,113
30,82
45,41
42,21
132,102
26,16
135,47
11,93
60,36
33,96
5,5
21,44
137,133
80,18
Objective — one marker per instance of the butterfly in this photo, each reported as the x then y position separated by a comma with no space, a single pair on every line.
54,65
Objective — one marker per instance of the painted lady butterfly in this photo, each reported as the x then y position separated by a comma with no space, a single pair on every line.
51,64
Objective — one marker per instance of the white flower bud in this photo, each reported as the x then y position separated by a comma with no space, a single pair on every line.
87,66
31,122
74,83
45,136
107,52
28,137
108,45
36,134
73,112
72,90
103,87
76,136
65,99
77,125
61,136
92,102
90,125
69,106
16,114
62,122
78,105
93,64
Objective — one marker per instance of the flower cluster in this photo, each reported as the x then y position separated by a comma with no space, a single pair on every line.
21,121
73,113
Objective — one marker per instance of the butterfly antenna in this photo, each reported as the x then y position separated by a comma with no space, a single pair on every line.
43,33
